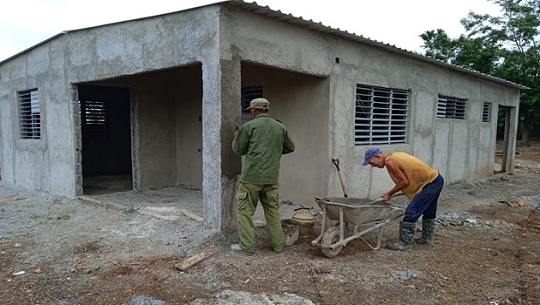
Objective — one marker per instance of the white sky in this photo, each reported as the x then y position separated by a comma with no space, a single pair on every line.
24,23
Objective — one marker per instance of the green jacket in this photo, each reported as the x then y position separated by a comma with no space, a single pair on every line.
262,140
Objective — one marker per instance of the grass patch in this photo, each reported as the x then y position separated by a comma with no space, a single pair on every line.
62,216
90,247
130,210
535,229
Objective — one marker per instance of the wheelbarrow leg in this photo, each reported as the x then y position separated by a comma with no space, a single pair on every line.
319,239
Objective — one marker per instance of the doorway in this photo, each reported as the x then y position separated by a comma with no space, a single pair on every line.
106,139
505,139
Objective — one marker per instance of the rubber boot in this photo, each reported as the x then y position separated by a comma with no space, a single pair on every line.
406,236
428,231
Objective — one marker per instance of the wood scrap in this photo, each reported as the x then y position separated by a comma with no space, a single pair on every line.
191,261
192,215
518,204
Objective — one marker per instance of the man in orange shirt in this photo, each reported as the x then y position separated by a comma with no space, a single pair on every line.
420,183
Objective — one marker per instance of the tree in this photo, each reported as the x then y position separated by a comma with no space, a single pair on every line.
505,46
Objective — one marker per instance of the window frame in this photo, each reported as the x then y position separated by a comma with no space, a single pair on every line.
486,112
450,107
381,115
29,114
248,94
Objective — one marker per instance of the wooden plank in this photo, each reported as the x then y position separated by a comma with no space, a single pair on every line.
189,262
192,215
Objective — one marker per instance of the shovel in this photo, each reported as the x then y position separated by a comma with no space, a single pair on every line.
340,175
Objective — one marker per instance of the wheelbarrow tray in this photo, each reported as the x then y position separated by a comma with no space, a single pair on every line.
356,211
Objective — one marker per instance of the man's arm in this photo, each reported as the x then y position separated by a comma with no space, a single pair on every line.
402,180
288,144
241,141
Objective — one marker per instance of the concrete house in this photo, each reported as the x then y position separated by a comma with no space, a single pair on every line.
156,100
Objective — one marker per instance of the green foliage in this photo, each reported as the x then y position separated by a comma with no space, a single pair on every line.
505,46
62,216
130,210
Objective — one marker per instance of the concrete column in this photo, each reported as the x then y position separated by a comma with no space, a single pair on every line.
512,121
221,167
231,164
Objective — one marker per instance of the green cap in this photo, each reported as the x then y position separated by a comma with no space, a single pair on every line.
259,103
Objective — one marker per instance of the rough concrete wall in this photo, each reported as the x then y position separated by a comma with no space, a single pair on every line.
300,101
155,112
189,127
89,55
174,40
42,164
291,95
452,146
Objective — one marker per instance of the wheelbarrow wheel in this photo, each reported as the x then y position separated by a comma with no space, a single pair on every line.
330,237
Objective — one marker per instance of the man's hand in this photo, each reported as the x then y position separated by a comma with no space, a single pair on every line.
386,197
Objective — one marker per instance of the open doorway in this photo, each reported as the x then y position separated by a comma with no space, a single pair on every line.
106,139
504,139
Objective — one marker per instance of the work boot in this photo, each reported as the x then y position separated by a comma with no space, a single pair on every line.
406,236
428,230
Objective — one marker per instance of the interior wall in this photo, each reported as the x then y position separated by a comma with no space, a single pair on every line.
301,102
188,102
166,128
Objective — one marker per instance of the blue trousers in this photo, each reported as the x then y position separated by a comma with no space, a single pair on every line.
425,203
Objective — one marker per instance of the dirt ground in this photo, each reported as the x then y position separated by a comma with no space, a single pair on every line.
55,250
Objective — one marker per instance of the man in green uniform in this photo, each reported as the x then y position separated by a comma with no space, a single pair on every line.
262,141
420,183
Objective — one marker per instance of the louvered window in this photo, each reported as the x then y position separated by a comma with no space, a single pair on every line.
29,114
249,93
381,116
95,124
486,112
451,107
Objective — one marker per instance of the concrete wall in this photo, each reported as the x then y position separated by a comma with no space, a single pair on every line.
460,149
167,126
189,65
90,55
301,102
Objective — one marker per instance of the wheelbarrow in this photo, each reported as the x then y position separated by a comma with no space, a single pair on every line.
364,216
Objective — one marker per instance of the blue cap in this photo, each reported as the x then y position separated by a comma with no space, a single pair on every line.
370,153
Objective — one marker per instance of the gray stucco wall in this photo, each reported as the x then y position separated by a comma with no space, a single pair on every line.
90,55
460,149
185,71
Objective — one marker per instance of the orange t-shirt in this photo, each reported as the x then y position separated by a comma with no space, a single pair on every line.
418,173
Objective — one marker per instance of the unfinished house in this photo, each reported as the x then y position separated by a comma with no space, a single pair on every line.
155,101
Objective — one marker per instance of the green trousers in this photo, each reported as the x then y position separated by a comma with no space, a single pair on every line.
247,198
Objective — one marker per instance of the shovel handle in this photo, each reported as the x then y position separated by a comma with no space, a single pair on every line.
336,163
340,176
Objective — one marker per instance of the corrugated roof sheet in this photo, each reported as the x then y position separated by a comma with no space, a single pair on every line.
267,11
316,26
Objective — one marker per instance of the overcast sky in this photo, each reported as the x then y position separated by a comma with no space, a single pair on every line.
24,23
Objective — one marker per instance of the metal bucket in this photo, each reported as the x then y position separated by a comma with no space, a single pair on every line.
306,223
